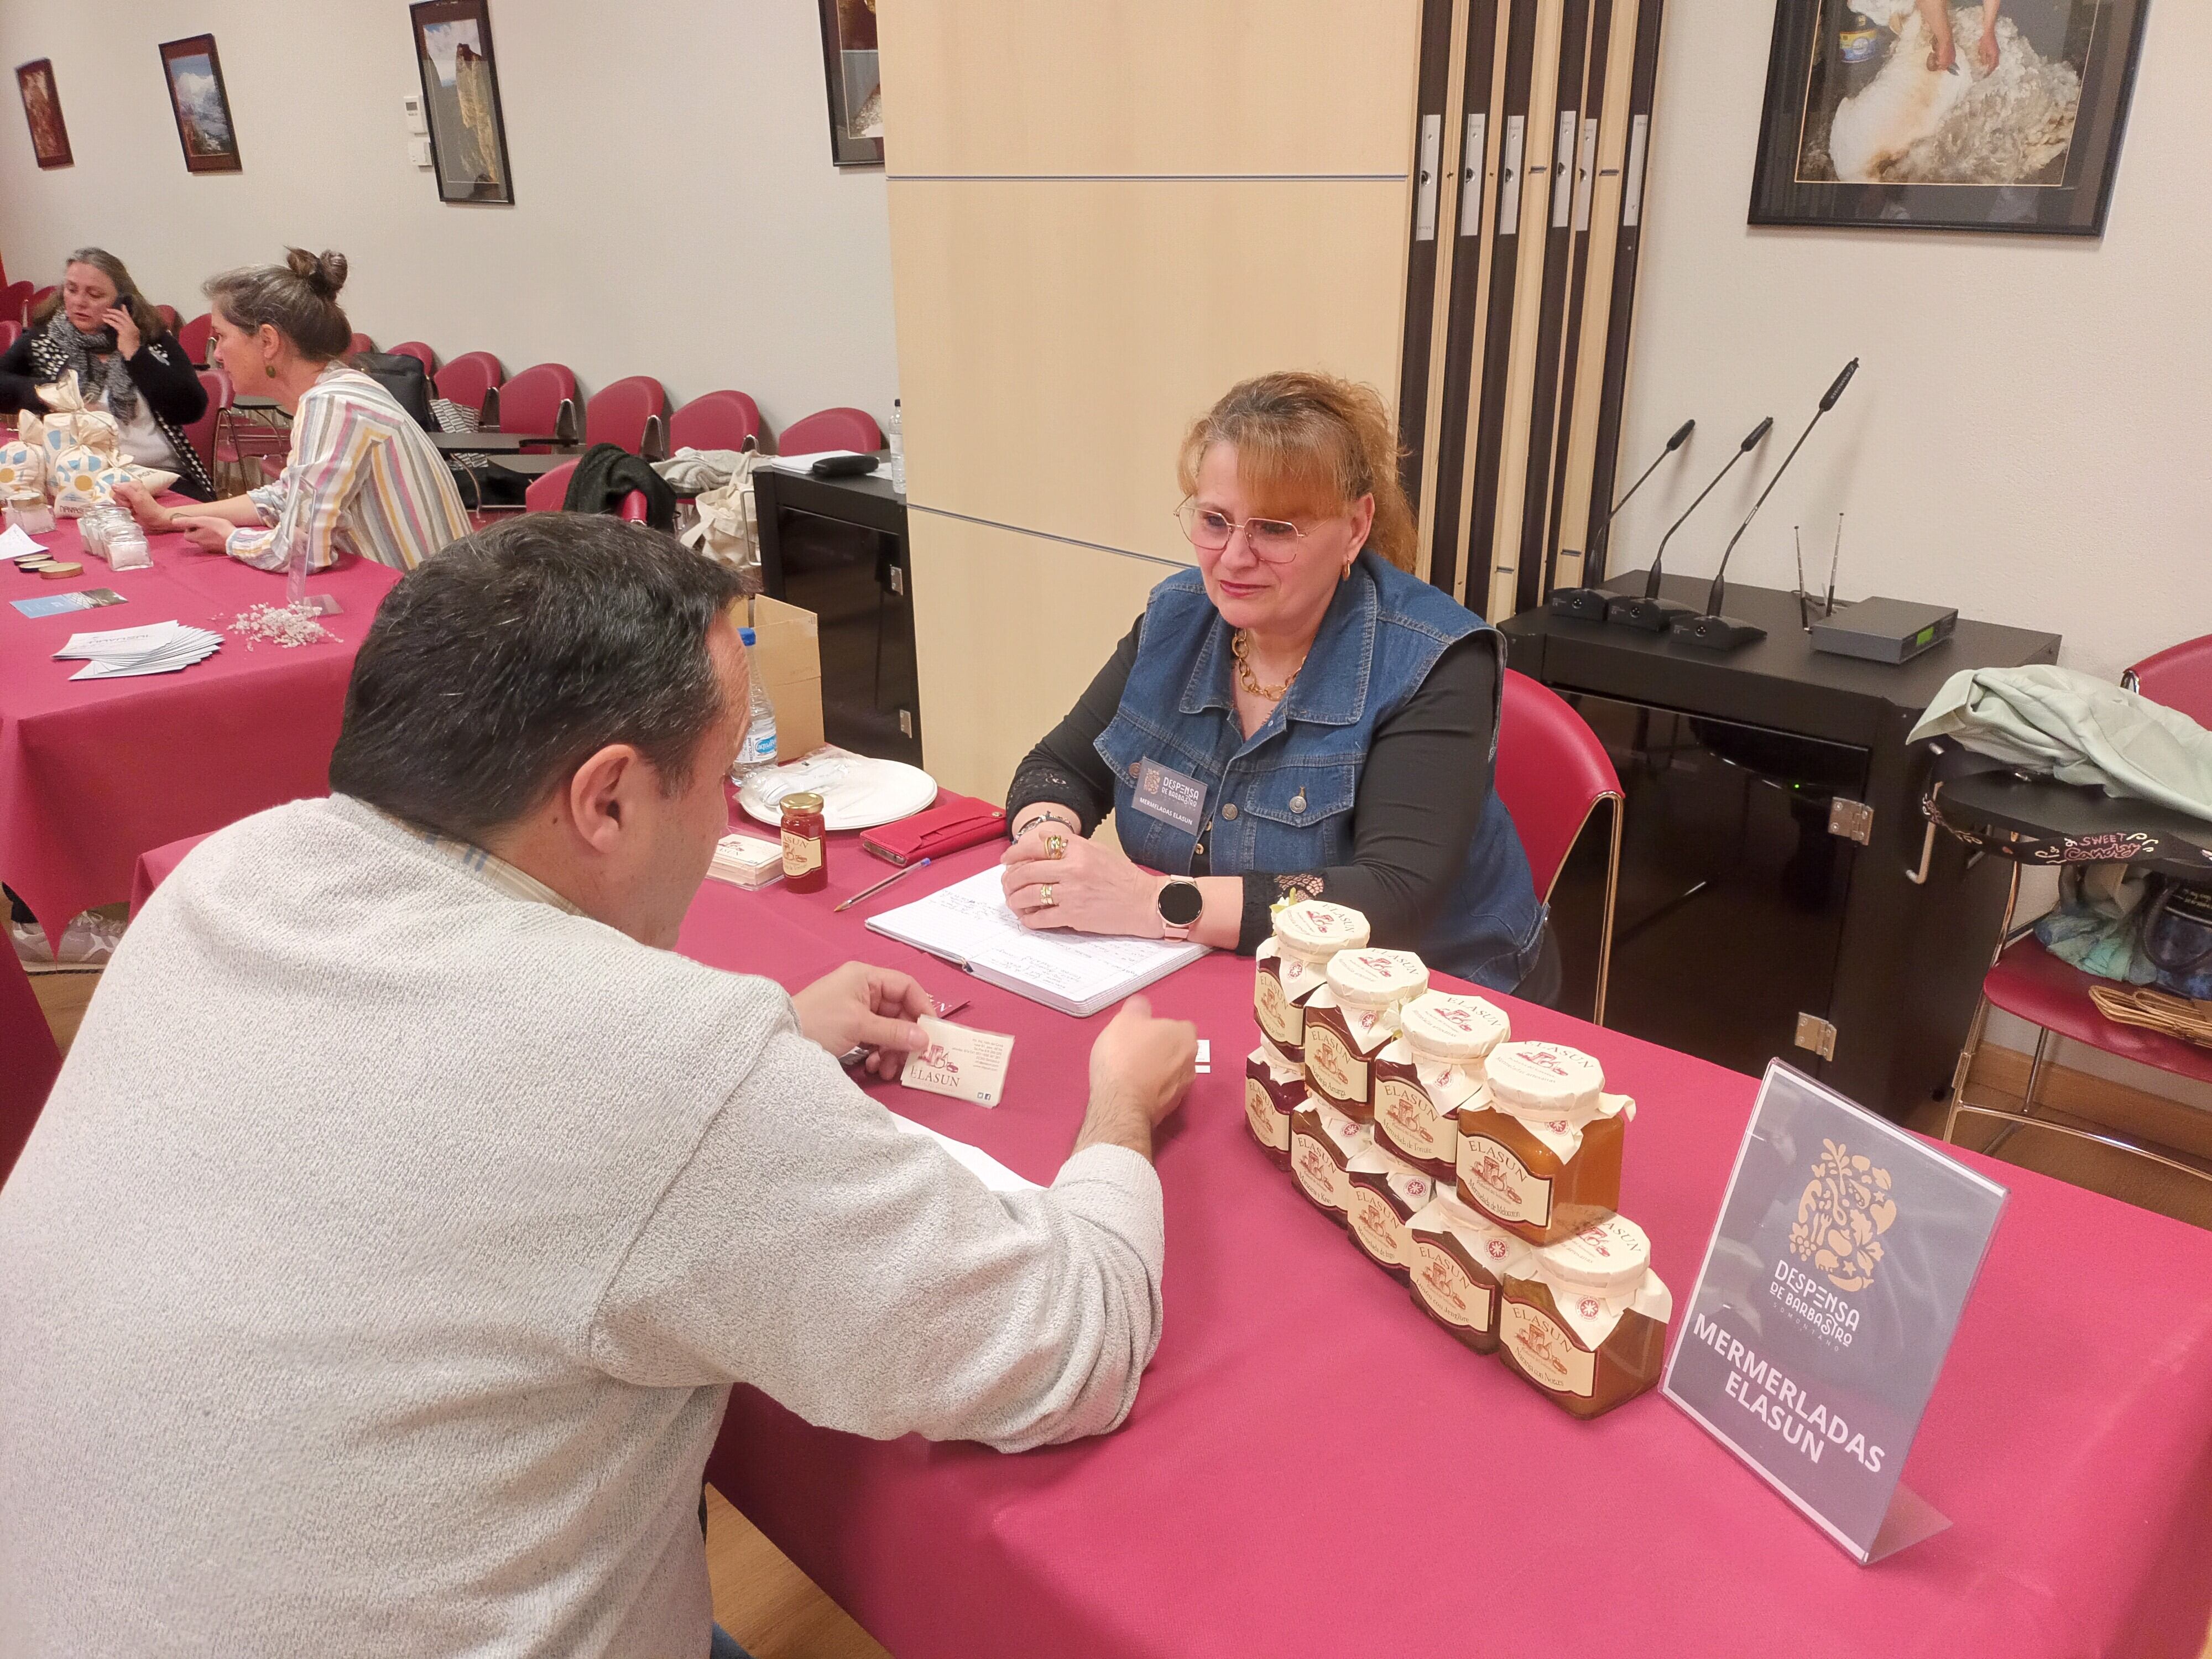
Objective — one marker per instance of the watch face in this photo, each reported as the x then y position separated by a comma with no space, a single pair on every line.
1181,904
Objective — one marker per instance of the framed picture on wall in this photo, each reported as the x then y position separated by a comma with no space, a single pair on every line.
201,105
460,99
1992,115
856,91
42,108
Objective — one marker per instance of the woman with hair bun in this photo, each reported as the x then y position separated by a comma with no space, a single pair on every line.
362,477
1320,722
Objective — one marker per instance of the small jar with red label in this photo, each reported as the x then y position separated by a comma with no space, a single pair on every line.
1323,1143
1385,1194
1460,1262
1585,1319
1432,1067
806,844
1351,1019
1288,968
1542,1156
1272,1093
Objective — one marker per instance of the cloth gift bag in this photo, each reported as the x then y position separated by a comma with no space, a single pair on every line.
728,530
74,483
23,460
70,422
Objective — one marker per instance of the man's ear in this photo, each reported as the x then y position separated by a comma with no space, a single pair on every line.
601,792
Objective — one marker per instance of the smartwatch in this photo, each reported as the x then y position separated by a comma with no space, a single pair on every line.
1180,904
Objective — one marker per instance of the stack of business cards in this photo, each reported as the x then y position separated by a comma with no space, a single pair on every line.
156,648
747,861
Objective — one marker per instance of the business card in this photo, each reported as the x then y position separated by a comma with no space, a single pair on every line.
965,1064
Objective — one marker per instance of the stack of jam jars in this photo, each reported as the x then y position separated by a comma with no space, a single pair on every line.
1289,969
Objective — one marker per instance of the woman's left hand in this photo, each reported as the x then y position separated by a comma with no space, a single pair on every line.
1095,889
127,337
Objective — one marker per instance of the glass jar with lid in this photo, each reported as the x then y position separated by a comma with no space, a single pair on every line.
1384,1194
1288,968
1350,1019
1542,1156
1323,1143
1585,1319
1460,1258
1432,1067
805,843
1272,1093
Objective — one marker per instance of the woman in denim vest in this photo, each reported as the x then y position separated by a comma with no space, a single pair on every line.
1296,716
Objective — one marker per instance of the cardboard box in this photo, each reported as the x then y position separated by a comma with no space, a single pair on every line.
788,657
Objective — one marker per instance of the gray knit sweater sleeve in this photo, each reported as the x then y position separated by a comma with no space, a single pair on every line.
880,1288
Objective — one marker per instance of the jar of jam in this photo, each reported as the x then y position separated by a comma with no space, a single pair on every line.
1460,1262
1386,1193
1272,1093
1287,968
806,844
1586,1321
1542,1157
1350,1019
1430,1070
1323,1143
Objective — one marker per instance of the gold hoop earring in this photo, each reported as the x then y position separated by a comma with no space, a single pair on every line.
1345,574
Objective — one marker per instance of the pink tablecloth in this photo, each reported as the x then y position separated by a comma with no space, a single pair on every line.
92,773
1313,1467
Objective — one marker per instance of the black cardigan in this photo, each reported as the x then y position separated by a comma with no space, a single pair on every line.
162,373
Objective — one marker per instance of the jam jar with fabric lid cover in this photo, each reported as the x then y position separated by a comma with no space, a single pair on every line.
1288,968
1542,1157
1430,1070
1350,1019
1272,1093
1323,1143
1385,1194
1460,1258
1586,1320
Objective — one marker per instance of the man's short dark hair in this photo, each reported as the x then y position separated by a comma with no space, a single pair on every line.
498,665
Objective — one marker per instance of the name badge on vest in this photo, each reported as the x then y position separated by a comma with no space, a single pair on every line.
1170,796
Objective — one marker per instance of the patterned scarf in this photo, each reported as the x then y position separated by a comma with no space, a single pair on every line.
110,382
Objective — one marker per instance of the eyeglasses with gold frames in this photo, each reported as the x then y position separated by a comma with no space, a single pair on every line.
1210,530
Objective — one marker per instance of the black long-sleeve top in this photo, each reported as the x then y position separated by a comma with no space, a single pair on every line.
171,389
1421,793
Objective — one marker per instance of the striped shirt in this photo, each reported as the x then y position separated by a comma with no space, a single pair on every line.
363,478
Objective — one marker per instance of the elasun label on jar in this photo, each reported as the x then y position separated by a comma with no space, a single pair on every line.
1410,1119
1501,1182
1376,1224
1317,1172
1331,1064
800,853
1269,1126
1279,1018
1447,1291
1546,1352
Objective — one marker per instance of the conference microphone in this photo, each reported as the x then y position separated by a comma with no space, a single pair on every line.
1652,613
1589,603
1713,630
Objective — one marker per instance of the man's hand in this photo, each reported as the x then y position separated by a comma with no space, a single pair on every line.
1140,1069
862,1005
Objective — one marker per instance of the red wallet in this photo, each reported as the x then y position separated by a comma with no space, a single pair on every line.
956,821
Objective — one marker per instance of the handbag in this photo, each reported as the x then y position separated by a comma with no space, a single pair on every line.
404,376
2177,937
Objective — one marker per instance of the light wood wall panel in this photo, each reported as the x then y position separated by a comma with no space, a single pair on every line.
1033,620
1057,338
1011,86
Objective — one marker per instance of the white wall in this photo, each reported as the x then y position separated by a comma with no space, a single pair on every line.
677,213
2029,437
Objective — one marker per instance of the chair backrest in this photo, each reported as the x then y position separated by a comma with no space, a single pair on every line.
548,489
466,379
616,414
419,352
361,343
32,1061
168,316
193,336
15,301
1551,771
10,331
718,420
2181,676
200,435
530,402
832,428
39,296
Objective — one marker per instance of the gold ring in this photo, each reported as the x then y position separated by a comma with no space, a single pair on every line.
1055,847
1045,900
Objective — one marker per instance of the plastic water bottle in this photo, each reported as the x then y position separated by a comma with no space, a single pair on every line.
759,752
898,448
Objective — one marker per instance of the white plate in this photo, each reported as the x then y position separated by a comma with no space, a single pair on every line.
857,792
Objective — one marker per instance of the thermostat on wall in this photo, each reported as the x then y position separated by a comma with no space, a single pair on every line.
1884,631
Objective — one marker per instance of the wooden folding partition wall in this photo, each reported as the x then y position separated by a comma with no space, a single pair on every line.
1520,272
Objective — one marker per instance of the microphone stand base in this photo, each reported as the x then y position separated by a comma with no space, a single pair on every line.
1652,616
1719,633
1583,603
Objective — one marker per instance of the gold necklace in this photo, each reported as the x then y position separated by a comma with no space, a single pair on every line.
1240,644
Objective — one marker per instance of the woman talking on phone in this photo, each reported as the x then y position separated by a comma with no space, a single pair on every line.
97,324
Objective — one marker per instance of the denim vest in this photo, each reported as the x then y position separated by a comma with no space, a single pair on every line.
1281,801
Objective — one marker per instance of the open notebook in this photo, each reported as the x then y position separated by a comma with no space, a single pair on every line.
968,925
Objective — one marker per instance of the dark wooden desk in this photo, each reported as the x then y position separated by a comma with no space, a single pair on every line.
485,443
1779,882
526,466
838,547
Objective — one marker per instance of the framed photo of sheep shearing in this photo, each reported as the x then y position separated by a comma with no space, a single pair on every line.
1946,114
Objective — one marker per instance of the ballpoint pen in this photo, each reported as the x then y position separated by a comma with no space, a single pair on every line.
870,892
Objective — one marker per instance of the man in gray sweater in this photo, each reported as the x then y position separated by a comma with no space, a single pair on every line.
376,1277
